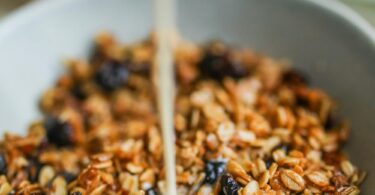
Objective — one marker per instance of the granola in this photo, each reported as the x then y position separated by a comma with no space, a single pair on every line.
244,124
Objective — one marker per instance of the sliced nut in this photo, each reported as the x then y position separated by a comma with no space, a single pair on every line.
251,188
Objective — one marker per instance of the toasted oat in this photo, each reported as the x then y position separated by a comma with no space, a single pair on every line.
238,114
318,178
292,180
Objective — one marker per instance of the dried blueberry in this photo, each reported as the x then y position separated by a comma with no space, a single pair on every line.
111,75
294,77
332,121
3,164
78,92
269,162
229,186
217,64
69,177
152,191
58,132
213,170
76,193
302,101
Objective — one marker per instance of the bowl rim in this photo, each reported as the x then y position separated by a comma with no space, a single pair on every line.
31,10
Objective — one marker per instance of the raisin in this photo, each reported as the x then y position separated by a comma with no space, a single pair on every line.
59,132
213,170
3,164
217,64
111,75
229,186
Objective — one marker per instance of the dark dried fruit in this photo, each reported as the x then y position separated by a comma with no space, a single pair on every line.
302,101
3,164
294,77
332,121
269,162
37,193
151,191
217,64
76,193
78,92
59,132
111,75
69,177
33,169
213,170
229,186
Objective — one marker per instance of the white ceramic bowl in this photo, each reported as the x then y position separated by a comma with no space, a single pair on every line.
323,38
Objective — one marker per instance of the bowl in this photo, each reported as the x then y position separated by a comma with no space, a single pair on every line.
325,39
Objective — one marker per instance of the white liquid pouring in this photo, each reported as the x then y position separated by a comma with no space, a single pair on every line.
164,75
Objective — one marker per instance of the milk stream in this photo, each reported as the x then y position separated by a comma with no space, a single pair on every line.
164,75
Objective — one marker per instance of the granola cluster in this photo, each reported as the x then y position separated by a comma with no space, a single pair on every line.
244,124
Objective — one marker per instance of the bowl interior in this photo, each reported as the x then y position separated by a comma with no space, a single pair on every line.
337,55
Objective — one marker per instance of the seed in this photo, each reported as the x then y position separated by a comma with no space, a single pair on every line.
111,75
213,170
318,178
59,132
292,180
229,186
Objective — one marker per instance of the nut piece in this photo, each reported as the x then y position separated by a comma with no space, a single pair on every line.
251,188
318,178
46,174
347,168
292,180
59,186
5,187
225,131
